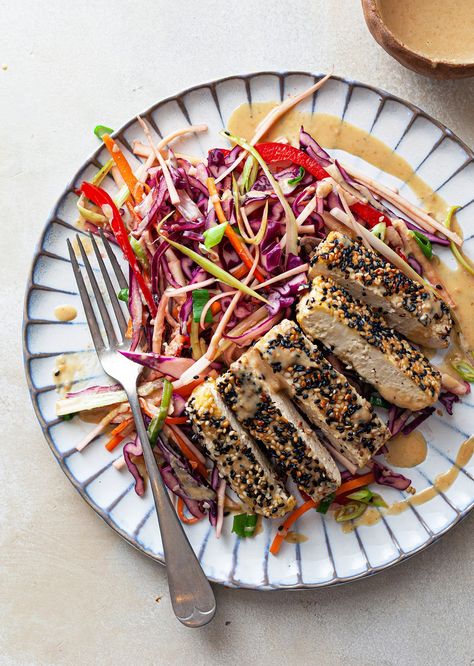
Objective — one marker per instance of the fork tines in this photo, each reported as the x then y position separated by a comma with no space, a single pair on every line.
110,331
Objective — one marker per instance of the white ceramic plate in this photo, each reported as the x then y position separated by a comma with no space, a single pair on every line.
329,556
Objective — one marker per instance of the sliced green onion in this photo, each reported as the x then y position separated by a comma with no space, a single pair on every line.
377,401
249,174
464,369
298,179
325,503
460,258
349,511
140,252
379,230
194,340
101,174
122,196
100,130
423,243
362,495
68,417
123,295
377,500
200,298
291,225
244,524
214,270
157,421
90,215
214,235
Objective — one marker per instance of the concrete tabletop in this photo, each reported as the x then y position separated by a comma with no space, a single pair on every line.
71,591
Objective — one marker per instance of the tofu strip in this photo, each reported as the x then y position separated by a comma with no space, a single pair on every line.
275,424
238,458
324,395
362,339
413,310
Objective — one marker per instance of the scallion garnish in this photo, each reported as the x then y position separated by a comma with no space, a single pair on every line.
465,369
460,258
157,421
123,295
299,177
100,130
140,252
379,230
423,243
244,524
67,417
377,401
249,174
214,235
200,298
325,503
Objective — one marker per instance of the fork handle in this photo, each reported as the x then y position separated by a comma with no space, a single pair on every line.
191,594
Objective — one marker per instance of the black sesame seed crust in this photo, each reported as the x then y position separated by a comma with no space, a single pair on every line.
237,459
244,392
323,393
408,306
326,297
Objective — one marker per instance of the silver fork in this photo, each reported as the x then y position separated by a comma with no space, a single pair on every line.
191,594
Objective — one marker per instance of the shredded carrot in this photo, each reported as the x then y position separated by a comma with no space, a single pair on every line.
145,408
183,518
185,391
215,307
136,188
346,487
119,433
128,332
292,518
184,448
240,271
352,484
176,420
234,238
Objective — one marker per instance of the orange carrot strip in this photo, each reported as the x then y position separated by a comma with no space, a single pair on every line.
240,271
184,448
185,391
183,518
292,518
136,188
119,433
358,482
128,332
234,238
215,307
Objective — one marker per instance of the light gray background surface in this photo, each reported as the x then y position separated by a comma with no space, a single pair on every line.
71,591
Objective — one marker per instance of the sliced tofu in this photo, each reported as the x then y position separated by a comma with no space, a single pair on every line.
408,306
238,458
362,339
275,424
321,392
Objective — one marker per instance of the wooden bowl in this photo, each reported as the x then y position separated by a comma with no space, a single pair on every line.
438,69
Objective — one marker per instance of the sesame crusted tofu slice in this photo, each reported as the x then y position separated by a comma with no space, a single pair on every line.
361,338
238,458
409,307
275,424
322,393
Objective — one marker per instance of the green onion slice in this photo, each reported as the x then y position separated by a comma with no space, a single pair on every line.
349,511
140,252
377,401
423,243
214,235
299,177
325,503
464,369
68,417
244,524
157,421
123,295
249,174
100,130
460,258
200,298
379,230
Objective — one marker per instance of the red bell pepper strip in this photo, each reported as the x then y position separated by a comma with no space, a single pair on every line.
370,214
282,152
100,197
